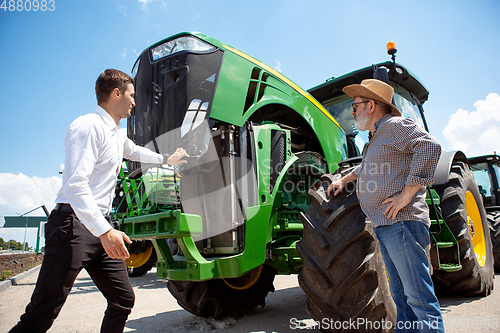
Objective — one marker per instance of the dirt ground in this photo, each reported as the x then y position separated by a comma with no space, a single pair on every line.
19,262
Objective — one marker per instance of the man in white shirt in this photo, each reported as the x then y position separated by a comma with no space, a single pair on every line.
78,233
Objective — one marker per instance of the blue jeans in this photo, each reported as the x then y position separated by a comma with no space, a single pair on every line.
403,250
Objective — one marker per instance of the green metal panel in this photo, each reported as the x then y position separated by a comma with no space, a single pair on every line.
444,245
171,224
23,222
231,93
174,224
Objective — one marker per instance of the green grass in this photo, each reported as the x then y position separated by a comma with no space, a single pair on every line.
5,275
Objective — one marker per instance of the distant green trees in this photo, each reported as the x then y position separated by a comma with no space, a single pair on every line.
13,245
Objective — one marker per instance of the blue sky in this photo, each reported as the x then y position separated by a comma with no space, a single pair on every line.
50,61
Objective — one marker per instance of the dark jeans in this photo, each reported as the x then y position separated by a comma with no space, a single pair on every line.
70,247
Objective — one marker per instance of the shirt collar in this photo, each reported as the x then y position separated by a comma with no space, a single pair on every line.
379,122
107,118
382,120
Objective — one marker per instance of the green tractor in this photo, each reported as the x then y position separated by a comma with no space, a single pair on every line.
250,202
486,170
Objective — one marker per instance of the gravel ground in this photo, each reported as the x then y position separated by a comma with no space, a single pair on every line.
157,311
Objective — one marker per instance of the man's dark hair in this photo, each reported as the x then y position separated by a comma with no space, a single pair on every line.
108,81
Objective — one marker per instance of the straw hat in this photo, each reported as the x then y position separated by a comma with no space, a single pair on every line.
373,89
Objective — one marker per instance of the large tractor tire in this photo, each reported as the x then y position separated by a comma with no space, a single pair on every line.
494,221
343,273
220,298
462,209
142,258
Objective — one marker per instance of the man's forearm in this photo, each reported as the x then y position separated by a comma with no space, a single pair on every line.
350,177
409,191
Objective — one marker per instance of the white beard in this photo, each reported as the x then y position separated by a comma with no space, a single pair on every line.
361,122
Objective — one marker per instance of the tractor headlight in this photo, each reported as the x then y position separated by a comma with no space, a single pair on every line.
179,44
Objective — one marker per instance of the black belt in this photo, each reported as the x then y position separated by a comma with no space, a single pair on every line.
65,207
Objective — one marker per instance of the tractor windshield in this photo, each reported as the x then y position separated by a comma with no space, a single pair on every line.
341,110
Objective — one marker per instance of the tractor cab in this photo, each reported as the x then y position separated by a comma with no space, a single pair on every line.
409,96
486,171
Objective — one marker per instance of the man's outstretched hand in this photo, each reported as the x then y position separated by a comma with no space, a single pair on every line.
176,157
339,184
112,242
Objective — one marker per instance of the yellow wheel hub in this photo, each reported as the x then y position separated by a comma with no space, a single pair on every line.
137,260
246,280
476,228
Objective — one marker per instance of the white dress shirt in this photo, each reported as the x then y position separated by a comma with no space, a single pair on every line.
94,150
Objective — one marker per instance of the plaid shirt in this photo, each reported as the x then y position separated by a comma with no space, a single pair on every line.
398,154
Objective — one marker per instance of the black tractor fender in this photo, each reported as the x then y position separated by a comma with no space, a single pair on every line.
443,168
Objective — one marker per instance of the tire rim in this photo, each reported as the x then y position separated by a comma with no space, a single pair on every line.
139,259
246,280
475,223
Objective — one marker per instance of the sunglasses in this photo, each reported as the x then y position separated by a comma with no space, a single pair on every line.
354,105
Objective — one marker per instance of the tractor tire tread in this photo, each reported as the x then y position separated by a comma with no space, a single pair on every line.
215,299
343,275
494,223
472,279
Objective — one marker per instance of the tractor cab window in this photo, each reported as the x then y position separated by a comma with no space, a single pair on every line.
407,105
484,182
340,108
496,168
496,187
